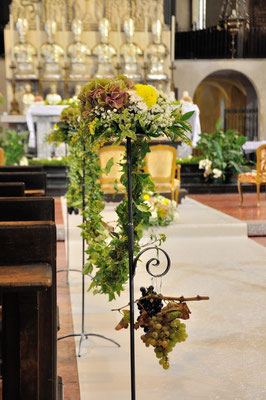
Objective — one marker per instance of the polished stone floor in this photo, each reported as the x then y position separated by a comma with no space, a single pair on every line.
225,353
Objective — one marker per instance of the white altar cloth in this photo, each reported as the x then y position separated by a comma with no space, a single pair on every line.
45,111
250,147
184,151
194,121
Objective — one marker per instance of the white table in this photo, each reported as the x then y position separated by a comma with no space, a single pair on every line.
45,117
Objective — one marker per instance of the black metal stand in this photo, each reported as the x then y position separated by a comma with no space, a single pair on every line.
132,267
83,334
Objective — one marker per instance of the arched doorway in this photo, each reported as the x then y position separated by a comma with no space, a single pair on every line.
229,96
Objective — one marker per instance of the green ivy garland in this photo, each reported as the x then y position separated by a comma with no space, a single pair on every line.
86,130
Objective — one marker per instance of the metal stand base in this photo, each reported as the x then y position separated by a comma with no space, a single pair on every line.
85,335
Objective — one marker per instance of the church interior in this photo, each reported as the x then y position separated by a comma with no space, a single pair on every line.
132,127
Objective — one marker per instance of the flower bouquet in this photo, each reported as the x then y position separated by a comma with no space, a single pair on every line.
163,211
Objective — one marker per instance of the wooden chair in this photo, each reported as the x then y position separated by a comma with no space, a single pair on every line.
161,165
2,156
107,181
257,177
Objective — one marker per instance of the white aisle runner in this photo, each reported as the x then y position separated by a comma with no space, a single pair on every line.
224,356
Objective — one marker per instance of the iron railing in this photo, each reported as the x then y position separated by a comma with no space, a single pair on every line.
211,43
244,121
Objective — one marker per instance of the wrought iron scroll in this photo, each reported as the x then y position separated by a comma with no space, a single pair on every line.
154,262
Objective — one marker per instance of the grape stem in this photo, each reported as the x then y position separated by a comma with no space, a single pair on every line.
158,296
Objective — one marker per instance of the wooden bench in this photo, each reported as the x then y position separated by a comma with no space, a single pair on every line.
9,189
35,182
27,209
28,292
21,168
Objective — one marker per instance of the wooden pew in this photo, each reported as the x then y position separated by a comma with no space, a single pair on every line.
10,189
28,291
21,168
35,182
27,209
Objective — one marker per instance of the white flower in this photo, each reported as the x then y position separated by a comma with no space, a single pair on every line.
24,161
205,164
207,172
217,173
176,217
154,215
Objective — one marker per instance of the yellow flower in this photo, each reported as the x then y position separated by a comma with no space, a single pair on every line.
166,201
92,126
147,93
146,197
56,126
74,138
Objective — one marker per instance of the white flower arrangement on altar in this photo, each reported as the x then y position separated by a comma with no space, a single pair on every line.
163,211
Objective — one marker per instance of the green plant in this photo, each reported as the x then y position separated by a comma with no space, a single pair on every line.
45,161
191,160
13,144
222,153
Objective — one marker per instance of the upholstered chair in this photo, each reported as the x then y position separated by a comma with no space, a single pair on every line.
161,165
107,181
257,177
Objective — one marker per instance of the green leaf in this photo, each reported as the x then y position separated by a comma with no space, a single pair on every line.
187,115
108,166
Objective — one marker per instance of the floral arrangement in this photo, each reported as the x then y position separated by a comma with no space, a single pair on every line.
163,211
111,110
222,154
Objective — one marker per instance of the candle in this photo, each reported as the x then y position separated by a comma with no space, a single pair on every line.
173,39
38,34
146,37
118,39
11,26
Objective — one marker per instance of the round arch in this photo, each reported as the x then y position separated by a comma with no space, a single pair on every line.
228,95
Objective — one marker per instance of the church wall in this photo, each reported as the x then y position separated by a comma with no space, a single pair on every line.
183,14
189,74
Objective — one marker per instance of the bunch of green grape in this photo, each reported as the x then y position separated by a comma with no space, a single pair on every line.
163,331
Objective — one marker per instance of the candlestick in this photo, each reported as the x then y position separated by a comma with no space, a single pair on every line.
38,34
146,41
11,26
145,70
173,38
64,39
118,40
14,103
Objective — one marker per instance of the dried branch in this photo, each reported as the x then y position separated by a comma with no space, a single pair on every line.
158,296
